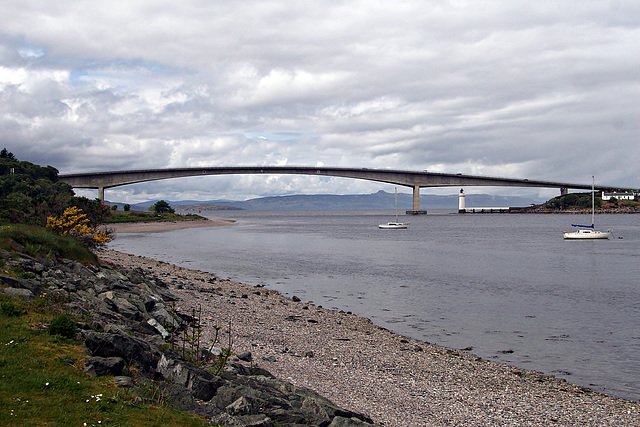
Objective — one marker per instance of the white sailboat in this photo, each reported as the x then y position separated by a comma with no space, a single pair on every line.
588,231
394,225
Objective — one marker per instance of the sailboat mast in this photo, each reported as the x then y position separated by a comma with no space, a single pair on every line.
593,200
396,204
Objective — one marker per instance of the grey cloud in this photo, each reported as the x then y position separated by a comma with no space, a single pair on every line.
496,87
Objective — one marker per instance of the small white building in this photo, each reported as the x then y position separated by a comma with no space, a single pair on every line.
617,195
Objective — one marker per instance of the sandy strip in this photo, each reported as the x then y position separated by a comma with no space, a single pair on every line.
365,368
155,226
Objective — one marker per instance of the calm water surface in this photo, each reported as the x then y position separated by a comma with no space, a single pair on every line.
505,287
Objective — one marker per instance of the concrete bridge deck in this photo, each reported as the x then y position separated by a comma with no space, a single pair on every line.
411,179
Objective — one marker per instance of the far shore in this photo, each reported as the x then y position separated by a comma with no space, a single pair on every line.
157,226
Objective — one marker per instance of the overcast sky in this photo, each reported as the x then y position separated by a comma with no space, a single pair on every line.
545,90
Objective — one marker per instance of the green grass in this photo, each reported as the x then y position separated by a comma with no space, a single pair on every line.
139,216
39,242
42,382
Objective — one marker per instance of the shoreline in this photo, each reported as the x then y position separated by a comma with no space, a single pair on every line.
395,380
157,226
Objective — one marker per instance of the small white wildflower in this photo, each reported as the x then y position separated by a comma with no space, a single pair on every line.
46,384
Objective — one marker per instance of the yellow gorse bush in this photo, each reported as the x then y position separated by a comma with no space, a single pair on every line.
76,224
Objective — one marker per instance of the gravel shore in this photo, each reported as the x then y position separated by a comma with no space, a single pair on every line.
365,368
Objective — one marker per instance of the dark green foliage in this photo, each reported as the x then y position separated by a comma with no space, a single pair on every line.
127,208
584,202
5,154
573,201
9,309
63,325
30,193
96,211
161,207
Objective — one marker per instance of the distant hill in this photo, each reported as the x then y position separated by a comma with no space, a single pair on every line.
379,200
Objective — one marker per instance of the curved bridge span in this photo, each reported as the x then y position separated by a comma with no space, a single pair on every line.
411,179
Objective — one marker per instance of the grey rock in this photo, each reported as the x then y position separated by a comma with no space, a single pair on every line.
11,282
246,356
129,310
164,317
131,349
124,381
241,406
101,366
158,327
200,383
24,293
136,275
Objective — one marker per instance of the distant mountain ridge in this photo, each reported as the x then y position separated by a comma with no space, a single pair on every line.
379,200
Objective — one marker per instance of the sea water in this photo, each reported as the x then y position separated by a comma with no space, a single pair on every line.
506,287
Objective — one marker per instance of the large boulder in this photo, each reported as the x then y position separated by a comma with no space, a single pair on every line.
101,366
200,383
119,344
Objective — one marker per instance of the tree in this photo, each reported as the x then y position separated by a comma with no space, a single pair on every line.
29,194
161,207
127,208
5,154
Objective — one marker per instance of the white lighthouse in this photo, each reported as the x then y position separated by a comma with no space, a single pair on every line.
461,202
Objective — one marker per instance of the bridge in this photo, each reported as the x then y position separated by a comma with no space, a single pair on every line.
411,179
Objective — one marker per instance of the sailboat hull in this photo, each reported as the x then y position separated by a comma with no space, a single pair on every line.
393,226
586,234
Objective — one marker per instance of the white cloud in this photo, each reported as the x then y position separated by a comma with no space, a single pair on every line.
495,87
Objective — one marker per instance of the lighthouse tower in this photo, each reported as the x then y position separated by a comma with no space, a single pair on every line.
461,202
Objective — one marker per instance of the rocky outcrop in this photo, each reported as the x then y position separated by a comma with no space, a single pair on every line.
127,313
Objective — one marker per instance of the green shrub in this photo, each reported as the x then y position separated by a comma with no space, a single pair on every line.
9,309
63,325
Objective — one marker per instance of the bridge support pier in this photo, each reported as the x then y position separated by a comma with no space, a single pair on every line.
101,194
416,202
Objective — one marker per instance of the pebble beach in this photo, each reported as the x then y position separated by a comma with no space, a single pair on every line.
358,365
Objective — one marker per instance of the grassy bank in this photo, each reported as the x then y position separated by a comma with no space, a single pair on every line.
39,242
42,378
140,216
42,381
